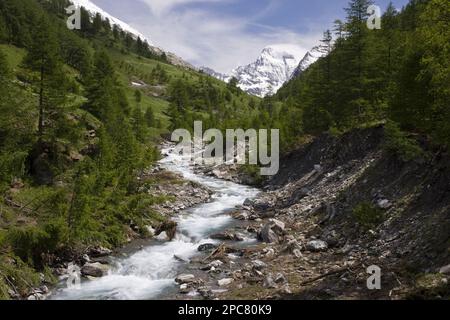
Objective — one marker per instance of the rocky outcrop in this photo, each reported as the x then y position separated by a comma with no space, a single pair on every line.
179,193
340,205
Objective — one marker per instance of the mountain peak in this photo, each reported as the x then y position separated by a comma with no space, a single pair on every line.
270,71
309,58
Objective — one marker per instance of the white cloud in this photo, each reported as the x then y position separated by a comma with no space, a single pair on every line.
160,7
207,38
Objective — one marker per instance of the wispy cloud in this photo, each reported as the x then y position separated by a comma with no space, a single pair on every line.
204,37
160,7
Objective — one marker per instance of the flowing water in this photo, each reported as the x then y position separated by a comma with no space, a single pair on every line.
150,272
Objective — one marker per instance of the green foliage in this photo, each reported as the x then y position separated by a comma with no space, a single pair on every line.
30,243
367,215
14,271
400,73
253,172
401,144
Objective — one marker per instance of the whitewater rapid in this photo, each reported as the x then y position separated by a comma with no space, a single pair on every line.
148,273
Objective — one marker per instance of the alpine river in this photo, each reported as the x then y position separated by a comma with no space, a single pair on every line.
150,272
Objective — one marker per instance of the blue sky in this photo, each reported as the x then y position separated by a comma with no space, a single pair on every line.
223,34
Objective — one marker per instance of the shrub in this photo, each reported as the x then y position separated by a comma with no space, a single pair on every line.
29,243
367,215
16,275
400,144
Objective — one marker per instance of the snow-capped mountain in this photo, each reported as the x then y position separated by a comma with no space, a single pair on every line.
270,71
276,65
310,58
94,9
221,76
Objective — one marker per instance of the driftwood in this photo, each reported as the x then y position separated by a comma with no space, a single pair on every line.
330,273
22,208
220,251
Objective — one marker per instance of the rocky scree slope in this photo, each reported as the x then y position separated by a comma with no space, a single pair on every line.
341,204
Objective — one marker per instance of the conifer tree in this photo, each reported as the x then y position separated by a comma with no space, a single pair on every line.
43,58
150,118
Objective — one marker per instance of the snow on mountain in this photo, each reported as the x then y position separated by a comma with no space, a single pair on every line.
94,9
270,71
221,76
276,65
310,58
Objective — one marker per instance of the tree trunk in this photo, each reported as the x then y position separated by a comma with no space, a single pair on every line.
41,106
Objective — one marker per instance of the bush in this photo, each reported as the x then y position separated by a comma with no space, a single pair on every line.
31,242
16,275
400,144
367,215
12,165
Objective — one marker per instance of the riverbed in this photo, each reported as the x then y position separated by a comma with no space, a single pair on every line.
150,272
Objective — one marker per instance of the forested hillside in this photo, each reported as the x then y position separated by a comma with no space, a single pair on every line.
399,73
82,114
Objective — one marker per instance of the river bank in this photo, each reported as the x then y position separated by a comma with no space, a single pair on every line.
150,272
338,206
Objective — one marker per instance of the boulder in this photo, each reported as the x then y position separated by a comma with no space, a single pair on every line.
184,288
332,238
445,270
169,227
206,293
225,282
227,236
207,247
215,264
270,283
271,231
268,235
97,252
241,215
280,278
249,203
317,246
258,265
278,226
259,204
95,270
185,279
384,204
36,296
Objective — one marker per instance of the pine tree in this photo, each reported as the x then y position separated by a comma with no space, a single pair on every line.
137,96
101,87
4,70
97,23
150,118
356,45
86,24
139,124
43,57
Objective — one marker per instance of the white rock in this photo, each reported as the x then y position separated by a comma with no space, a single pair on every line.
384,204
445,270
225,282
317,246
185,278
216,264
259,265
